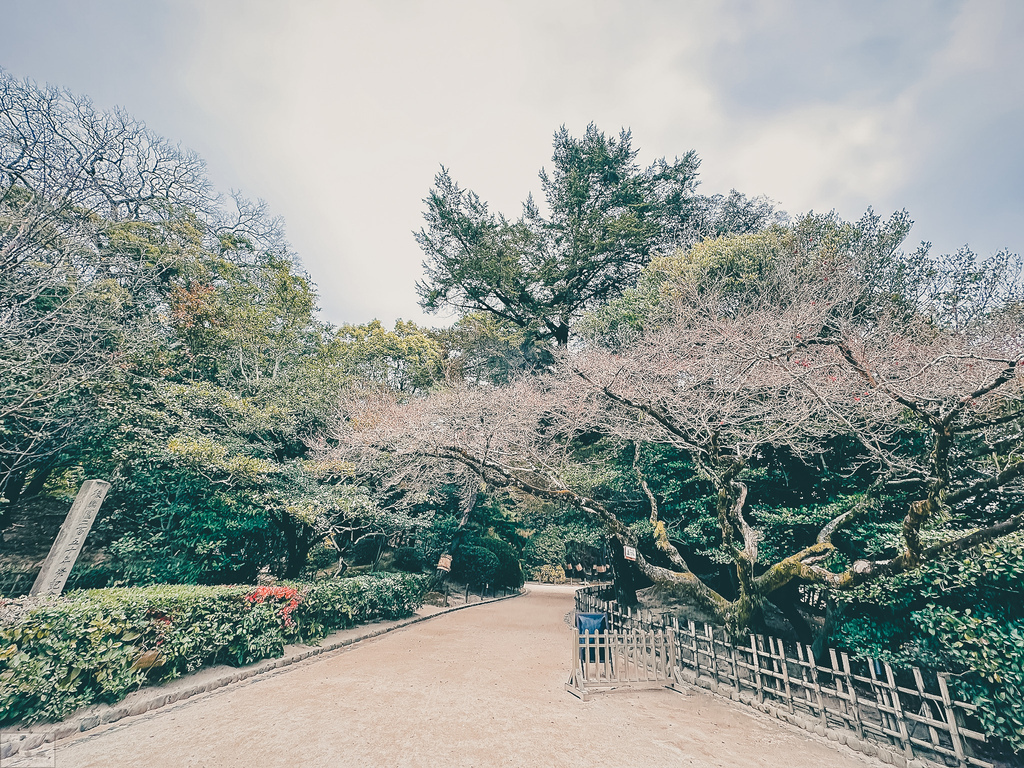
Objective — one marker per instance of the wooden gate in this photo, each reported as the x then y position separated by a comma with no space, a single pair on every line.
610,659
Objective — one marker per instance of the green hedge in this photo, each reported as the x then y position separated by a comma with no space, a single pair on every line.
508,573
92,647
474,565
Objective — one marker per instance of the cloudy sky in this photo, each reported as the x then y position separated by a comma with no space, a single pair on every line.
339,113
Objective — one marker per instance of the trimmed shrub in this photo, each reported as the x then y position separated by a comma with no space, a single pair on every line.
98,646
508,573
474,565
549,574
407,559
438,538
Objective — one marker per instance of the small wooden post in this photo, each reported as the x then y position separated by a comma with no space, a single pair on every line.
607,651
576,666
734,655
817,686
709,633
692,633
894,695
784,666
926,708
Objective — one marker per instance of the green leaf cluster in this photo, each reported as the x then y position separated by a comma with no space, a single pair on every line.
91,647
964,617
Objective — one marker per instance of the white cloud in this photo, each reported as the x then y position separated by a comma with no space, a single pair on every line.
339,113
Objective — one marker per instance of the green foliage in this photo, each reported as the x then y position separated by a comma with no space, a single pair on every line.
745,266
92,646
545,548
407,559
481,347
366,550
169,343
437,539
606,217
321,556
407,359
475,566
963,617
549,574
507,572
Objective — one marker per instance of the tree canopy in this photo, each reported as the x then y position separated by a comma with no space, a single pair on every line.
163,337
602,219
758,405
788,347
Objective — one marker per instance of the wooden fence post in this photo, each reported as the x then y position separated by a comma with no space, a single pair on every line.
709,633
817,686
897,705
784,668
734,655
692,632
756,663
954,731
854,703
926,708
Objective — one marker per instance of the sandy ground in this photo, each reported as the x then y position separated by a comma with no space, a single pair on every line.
481,687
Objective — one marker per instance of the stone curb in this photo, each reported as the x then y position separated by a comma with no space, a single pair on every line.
45,733
846,738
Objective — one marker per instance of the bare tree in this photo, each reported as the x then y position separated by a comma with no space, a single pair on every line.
727,374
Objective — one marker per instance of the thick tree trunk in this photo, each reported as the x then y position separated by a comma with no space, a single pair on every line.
787,600
35,485
297,546
625,578
561,334
11,489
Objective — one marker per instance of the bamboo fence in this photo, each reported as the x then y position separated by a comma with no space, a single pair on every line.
907,715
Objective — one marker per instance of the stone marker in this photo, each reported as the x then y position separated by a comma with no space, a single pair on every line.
58,564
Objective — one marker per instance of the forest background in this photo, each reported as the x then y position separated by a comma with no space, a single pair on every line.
165,338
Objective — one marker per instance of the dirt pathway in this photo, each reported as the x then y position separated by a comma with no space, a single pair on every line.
480,687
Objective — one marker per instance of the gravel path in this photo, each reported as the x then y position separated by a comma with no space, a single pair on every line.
480,687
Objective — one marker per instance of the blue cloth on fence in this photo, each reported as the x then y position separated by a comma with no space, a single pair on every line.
591,622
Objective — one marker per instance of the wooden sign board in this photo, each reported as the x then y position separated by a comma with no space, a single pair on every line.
629,553
445,563
64,552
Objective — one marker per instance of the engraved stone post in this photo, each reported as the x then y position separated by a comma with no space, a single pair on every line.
58,564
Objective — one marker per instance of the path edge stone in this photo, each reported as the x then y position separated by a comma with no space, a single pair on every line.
105,714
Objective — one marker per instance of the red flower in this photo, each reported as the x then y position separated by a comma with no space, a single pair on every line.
292,596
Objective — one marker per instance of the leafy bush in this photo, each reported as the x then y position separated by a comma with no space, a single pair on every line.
98,646
407,559
549,574
508,572
545,548
474,565
321,556
438,538
966,618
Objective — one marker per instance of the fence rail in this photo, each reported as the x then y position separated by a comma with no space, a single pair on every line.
910,714
609,659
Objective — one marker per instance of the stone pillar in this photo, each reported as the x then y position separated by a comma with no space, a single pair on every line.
58,564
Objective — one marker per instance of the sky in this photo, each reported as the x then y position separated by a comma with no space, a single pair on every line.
338,114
